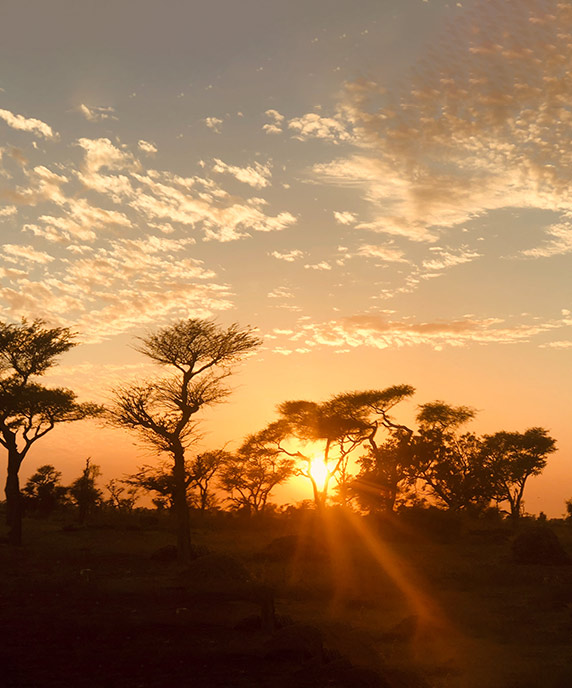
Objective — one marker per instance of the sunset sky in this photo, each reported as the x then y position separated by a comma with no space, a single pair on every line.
383,189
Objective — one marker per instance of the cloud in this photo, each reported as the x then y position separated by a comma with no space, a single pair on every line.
213,123
281,293
480,124
222,217
27,254
445,258
147,147
379,332
345,217
388,254
34,126
275,124
318,266
560,244
256,175
288,256
314,126
97,113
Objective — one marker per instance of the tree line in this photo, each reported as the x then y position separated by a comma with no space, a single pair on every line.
351,448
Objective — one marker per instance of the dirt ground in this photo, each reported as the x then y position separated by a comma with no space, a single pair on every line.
343,603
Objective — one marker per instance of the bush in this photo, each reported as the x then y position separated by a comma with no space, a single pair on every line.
538,545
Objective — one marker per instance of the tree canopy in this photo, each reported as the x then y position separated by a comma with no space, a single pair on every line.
29,410
199,355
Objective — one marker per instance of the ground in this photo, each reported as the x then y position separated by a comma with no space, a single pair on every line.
291,602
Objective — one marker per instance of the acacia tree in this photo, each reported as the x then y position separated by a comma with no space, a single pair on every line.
28,410
43,491
512,457
84,491
451,464
336,428
250,475
200,472
385,465
199,354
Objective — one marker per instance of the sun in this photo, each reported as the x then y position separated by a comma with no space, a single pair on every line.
319,471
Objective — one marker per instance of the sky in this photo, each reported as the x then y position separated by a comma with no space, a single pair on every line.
382,189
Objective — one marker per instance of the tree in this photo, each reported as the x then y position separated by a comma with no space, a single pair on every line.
122,495
200,472
340,425
84,492
512,457
250,475
450,464
157,479
28,410
43,493
308,423
385,465
199,354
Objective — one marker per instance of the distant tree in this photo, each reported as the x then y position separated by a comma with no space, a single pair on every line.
250,475
450,464
200,354
158,480
200,472
339,426
384,466
28,410
122,496
84,492
43,492
512,458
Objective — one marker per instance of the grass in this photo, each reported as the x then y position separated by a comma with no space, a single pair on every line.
397,603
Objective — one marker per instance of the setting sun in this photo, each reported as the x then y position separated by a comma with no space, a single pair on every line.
319,471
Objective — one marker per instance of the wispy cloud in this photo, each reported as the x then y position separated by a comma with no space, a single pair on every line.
147,147
97,113
479,126
560,242
314,126
34,126
213,123
288,256
380,332
256,175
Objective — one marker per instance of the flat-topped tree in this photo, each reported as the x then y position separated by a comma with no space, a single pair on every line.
28,410
200,355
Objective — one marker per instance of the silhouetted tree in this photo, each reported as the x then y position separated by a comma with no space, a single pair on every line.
28,410
385,465
202,470
512,458
122,496
450,464
304,423
200,353
250,475
158,479
84,492
43,493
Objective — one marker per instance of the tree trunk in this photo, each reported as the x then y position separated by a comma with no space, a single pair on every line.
14,505
181,508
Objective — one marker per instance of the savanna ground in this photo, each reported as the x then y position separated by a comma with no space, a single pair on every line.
407,603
